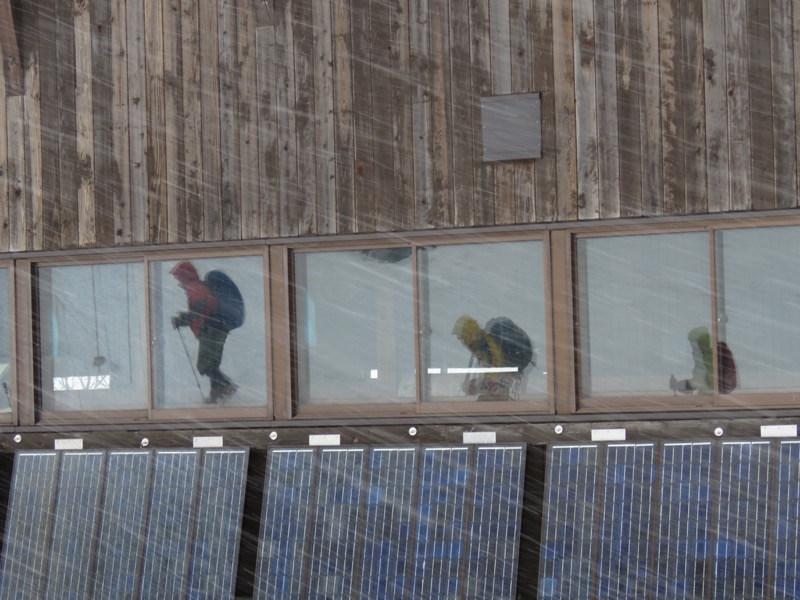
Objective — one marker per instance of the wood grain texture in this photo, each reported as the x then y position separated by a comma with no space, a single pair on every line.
164,121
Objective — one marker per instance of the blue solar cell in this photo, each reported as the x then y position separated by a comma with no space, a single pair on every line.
28,525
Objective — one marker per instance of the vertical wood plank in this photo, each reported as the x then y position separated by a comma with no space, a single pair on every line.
137,114
192,118
67,211
630,98
174,175
402,126
421,110
691,106
303,35
521,24
267,132
210,98
287,130
466,119
545,178
481,54
761,117
784,101
564,92
363,146
230,198
716,86
382,115
324,107
33,144
343,97
120,152
585,108
247,120
48,85
739,167
608,163
500,40
5,149
9,50
106,180
15,123
84,124
652,148
157,225
671,118
795,24
441,214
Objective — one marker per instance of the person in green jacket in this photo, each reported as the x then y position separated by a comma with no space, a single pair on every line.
702,380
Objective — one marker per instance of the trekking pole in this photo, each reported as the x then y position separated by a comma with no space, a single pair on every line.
191,363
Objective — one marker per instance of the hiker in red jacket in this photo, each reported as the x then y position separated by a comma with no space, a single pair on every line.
209,330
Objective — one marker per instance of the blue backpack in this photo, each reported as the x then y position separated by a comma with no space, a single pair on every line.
230,304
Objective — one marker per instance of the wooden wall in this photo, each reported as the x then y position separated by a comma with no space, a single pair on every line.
160,121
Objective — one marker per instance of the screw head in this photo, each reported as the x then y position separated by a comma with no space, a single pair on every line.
559,429
719,431
412,431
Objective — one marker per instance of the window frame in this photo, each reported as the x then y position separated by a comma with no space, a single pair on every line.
421,406
737,399
151,413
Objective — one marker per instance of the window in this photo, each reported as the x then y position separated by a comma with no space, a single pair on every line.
93,337
640,297
479,311
5,347
209,359
99,331
758,306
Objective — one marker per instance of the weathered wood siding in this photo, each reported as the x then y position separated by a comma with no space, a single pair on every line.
162,121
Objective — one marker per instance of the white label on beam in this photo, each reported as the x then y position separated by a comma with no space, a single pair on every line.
207,441
480,437
608,435
779,431
69,444
332,439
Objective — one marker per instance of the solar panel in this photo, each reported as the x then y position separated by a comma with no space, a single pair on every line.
124,524
75,518
218,524
569,523
28,525
785,568
285,523
494,526
166,551
623,568
742,537
120,542
386,523
335,525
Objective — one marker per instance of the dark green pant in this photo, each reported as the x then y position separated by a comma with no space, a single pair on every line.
209,354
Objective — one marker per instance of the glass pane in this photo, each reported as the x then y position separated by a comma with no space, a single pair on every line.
209,347
354,320
759,305
484,331
5,345
93,337
641,299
